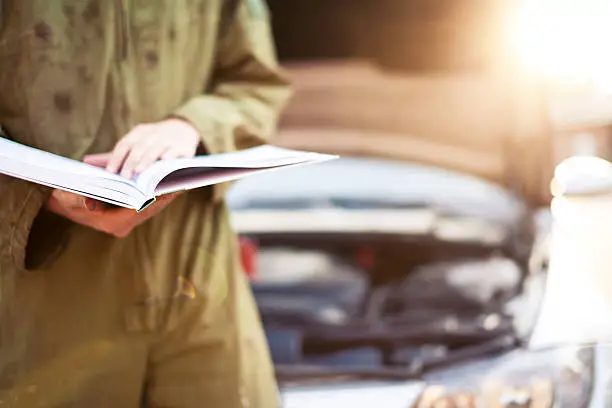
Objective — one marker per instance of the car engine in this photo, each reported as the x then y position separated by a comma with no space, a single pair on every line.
349,305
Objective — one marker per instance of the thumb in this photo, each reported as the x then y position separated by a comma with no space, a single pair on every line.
74,201
91,204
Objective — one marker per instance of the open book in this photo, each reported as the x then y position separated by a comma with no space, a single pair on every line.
163,177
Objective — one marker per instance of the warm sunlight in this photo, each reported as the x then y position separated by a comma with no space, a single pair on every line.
566,39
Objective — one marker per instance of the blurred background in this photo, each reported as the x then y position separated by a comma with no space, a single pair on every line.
410,272
554,49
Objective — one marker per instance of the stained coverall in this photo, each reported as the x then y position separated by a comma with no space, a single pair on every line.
163,317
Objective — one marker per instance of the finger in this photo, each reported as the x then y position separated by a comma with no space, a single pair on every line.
69,201
118,155
93,205
54,205
97,160
75,202
174,154
153,154
138,152
123,147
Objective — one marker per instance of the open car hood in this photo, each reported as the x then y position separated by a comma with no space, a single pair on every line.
493,126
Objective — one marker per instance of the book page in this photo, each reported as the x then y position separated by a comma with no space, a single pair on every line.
191,178
187,179
256,157
233,165
55,171
37,160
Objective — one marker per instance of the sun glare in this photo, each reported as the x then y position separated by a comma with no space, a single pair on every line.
566,39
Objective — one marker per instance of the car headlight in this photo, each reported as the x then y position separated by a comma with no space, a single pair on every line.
559,378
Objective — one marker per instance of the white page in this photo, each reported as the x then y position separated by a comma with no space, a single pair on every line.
54,171
249,160
257,157
104,190
213,176
254,158
41,160
206,179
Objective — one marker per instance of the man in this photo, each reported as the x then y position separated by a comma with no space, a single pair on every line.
104,307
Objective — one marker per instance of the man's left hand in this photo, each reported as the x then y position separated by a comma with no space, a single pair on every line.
118,222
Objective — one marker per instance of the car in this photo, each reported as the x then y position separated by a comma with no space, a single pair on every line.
422,268
387,277
387,283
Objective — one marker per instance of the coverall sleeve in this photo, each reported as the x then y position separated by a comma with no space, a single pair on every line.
249,90
20,203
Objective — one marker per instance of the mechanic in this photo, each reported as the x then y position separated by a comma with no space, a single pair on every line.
106,307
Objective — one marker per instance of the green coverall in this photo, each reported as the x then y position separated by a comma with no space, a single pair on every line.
164,316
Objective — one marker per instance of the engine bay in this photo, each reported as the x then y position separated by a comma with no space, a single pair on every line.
384,304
